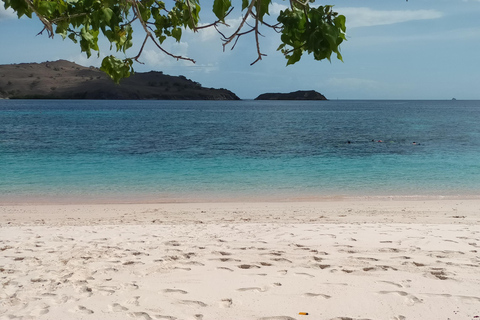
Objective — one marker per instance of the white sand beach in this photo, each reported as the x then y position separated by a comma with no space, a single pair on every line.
346,259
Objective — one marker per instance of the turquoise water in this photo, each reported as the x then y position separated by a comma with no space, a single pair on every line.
236,150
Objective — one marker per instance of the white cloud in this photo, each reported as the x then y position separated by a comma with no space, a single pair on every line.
275,8
463,34
211,34
6,14
82,59
366,17
156,58
207,34
368,88
354,83
204,68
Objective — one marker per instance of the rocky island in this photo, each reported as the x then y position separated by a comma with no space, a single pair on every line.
297,95
66,80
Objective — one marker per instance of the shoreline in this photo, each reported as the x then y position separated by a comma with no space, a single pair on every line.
108,199
384,210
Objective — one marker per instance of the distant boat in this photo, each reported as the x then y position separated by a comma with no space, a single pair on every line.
453,99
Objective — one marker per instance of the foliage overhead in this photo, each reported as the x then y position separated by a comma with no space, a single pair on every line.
317,30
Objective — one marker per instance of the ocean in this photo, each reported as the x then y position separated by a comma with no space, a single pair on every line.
167,151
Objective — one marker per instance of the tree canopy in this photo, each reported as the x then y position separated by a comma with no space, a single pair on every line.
303,27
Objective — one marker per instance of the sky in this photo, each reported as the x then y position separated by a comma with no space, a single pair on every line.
420,49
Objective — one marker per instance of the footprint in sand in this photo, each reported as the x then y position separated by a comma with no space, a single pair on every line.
366,269
134,301
305,274
40,310
226,259
316,295
116,307
63,299
256,289
247,266
193,303
409,299
140,315
130,286
172,243
175,291
223,253
392,283
226,303
82,309
84,290
224,268
181,268
106,292
282,260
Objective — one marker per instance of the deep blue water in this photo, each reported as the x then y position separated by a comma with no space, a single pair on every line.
170,150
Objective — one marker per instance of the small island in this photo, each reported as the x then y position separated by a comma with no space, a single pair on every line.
297,95
66,80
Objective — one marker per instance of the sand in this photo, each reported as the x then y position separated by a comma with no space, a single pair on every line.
350,259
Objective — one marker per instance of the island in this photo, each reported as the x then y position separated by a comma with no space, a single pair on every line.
66,80
297,95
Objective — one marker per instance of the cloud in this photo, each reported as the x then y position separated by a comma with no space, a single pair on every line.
206,34
6,14
156,58
210,33
368,88
460,34
81,59
354,83
275,8
366,17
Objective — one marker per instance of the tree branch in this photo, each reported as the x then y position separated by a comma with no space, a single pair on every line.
136,12
141,50
47,24
191,16
226,41
257,33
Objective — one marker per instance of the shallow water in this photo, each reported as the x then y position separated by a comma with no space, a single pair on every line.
211,150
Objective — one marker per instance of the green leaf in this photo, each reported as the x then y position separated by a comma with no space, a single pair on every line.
320,35
88,41
340,22
62,27
220,8
177,34
262,8
72,37
245,4
295,57
47,8
19,6
107,14
339,56
117,69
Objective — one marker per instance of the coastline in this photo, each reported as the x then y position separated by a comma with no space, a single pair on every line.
219,197
337,259
328,210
